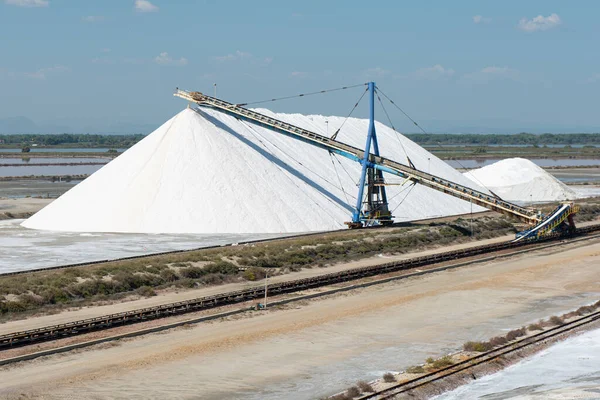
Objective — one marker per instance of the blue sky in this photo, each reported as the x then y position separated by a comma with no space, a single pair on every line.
453,66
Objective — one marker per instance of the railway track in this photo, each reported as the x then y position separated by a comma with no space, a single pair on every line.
29,337
462,366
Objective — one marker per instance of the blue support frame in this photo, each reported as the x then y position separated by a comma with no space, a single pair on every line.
371,137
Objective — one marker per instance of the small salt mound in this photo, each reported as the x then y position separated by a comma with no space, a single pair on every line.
206,172
520,180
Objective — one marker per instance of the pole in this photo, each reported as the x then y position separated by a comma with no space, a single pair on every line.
471,202
266,287
365,161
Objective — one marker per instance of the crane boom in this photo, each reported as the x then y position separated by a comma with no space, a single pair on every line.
462,192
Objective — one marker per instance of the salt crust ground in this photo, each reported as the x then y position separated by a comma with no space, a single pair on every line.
206,172
318,349
567,370
520,180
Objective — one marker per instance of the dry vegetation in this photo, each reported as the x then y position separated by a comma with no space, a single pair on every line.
52,290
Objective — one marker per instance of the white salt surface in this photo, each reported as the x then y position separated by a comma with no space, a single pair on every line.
27,249
520,180
567,370
206,172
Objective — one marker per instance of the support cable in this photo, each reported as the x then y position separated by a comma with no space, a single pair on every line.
348,116
338,177
423,130
395,131
301,95
410,188
258,137
345,170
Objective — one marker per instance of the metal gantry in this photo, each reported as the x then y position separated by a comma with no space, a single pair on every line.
375,207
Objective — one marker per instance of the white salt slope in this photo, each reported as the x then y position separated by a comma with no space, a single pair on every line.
206,172
520,180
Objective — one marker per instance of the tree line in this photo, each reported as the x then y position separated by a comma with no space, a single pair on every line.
125,141
498,139
70,140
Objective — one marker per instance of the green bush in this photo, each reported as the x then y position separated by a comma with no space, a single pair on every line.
221,267
442,362
168,275
415,369
192,272
146,291
476,346
254,273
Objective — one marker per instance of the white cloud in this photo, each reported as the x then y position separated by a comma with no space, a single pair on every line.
298,74
93,18
491,73
376,72
145,6
106,50
479,19
540,23
435,72
164,59
28,3
237,56
44,72
268,60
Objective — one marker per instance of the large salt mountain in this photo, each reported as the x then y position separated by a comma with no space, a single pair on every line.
207,172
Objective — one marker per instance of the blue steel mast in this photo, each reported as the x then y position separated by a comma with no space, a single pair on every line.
376,203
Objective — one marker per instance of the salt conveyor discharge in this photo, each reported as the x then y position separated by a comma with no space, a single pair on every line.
374,208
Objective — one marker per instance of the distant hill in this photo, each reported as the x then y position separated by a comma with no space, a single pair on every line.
18,125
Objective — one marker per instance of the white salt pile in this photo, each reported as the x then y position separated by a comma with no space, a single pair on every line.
520,180
206,172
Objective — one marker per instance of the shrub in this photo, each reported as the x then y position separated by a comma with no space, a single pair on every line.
192,272
365,387
353,392
475,346
389,377
442,362
585,310
512,335
221,267
168,275
52,295
535,327
254,273
415,369
146,291
14,307
211,279
430,360
497,341
556,320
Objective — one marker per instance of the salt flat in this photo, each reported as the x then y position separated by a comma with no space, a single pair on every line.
315,349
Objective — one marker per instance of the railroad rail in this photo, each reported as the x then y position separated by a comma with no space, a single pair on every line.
407,386
28,337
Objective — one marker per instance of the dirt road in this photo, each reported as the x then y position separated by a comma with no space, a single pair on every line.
314,349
